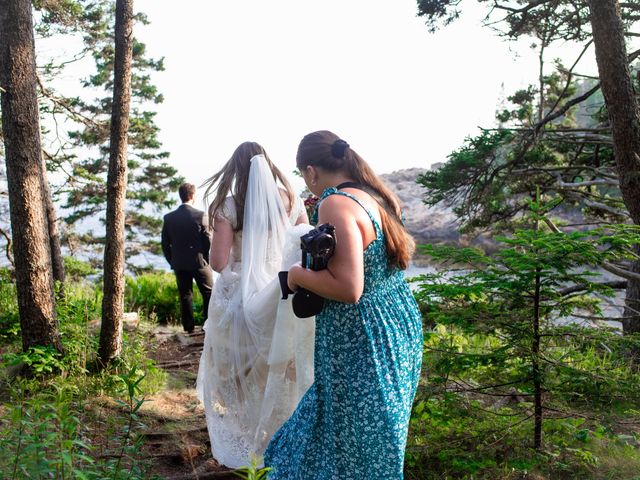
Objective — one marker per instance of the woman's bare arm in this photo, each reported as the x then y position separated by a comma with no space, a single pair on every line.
221,243
343,280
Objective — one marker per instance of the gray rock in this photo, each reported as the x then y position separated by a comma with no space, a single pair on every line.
438,224
427,224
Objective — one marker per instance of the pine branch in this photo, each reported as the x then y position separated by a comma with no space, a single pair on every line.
552,116
565,108
621,272
525,9
587,183
64,105
8,247
570,75
578,168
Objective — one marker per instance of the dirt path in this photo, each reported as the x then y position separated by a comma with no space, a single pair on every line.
176,440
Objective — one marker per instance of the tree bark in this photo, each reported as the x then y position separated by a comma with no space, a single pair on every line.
113,301
620,99
21,130
57,263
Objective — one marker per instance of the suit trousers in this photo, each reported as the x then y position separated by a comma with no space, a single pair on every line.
204,279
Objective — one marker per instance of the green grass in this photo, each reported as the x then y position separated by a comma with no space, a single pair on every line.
156,295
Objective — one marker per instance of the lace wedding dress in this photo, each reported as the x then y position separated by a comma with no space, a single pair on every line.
257,359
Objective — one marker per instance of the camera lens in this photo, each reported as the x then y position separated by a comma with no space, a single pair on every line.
324,242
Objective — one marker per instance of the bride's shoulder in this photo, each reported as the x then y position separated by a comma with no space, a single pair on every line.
286,201
294,209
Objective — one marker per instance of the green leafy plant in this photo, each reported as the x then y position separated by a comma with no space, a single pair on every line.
129,445
253,472
9,320
519,343
76,270
39,360
50,423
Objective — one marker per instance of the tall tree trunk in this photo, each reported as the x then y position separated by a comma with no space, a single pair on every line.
21,130
113,301
57,264
535,351
620,99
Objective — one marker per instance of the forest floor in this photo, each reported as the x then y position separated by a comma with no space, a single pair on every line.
176,442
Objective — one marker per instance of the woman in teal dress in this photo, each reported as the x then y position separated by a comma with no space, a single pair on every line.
352,422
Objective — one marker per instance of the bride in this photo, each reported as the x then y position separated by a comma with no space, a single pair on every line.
257,359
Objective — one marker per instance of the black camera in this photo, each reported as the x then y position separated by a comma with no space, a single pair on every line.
317,248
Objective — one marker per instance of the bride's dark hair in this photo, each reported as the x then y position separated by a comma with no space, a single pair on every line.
234,177
326,150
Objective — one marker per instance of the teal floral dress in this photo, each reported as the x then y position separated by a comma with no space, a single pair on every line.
352,422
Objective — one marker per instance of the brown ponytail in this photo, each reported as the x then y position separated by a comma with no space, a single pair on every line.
316,149
234,177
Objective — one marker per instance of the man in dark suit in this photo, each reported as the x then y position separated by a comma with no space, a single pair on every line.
186,240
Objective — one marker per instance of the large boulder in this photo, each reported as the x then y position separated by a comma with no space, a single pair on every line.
427,224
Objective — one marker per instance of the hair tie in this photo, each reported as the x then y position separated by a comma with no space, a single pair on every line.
338,148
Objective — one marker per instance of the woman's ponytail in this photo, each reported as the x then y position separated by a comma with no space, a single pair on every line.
399,244
325,149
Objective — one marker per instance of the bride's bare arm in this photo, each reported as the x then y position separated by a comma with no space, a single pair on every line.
343,280
302,218
221,243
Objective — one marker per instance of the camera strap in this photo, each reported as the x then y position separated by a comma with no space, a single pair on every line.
375,196
365,189
351,185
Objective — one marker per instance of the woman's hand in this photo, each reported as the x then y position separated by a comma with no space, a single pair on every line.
293,273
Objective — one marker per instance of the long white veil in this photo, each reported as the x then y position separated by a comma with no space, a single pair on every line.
258,357
264,226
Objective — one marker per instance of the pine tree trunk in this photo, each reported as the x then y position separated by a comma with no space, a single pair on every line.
631,315
113,301
617,87
21,130
57,263
535,367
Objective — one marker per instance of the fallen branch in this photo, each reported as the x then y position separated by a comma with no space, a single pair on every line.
168,434
616,284
230,475
179,363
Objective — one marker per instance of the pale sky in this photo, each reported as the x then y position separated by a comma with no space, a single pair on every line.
273,71
368,70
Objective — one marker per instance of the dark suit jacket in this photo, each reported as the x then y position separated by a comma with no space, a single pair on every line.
186,238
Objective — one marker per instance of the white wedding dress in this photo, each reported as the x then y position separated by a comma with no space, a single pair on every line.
257,359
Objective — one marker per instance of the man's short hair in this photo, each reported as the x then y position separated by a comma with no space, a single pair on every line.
187,191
